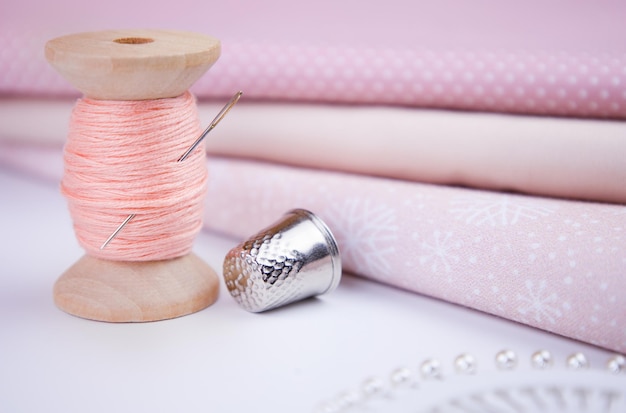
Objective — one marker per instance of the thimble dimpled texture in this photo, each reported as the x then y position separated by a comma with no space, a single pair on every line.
262,273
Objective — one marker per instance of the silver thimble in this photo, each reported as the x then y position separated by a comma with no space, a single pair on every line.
295,258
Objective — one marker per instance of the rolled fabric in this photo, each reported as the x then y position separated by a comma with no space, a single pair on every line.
558,58
548,156
552,264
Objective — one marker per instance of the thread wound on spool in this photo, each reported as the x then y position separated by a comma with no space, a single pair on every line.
120,159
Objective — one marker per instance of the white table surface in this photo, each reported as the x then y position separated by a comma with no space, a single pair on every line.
221,359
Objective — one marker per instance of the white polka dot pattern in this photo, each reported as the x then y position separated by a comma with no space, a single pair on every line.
547,83
538,83
23,68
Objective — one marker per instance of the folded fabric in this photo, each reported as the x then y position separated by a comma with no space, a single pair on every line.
560,57
44,163
557,157
566,158
553,264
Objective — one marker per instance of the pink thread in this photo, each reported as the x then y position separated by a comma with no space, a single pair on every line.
120,159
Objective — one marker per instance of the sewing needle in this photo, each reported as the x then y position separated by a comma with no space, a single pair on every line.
213,124
184,156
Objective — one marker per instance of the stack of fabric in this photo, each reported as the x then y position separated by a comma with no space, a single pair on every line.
475,153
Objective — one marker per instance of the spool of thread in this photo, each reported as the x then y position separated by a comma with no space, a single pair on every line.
126,134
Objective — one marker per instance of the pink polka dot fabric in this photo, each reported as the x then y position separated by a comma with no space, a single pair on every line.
543,83
565,58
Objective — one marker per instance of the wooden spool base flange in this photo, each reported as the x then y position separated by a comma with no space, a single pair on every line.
119,291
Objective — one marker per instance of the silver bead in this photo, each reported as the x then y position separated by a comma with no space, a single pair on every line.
465,364
431,369
577,361
372,387
328,407
616,364
506,360
541,359
401,376
348,399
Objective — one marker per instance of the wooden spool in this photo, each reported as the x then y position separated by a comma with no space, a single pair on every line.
134,65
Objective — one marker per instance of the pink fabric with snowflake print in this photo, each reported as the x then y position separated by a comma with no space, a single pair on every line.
553,264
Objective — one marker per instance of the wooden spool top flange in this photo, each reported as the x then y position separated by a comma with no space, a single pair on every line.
132,64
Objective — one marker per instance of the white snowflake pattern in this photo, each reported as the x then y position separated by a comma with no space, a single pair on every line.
218,184
269,201
439,253
498,210
539,303
366,232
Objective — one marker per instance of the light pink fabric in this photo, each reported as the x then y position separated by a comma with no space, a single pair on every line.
553,264
570,158
565,57
567,158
